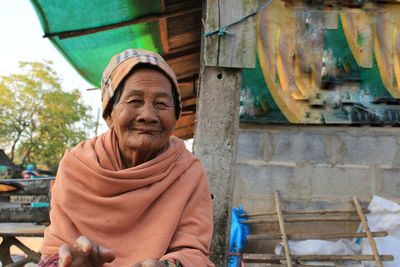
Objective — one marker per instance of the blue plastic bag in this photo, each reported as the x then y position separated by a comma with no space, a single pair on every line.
238,238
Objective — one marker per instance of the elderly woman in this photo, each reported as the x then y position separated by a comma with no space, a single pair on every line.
133,196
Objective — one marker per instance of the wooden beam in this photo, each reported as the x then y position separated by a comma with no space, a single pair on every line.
182,51
303,212
26,214
164,34
162,23
323,236
305,219
236,48
142,19
268,257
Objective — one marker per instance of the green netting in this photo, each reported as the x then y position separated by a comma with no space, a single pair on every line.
90,53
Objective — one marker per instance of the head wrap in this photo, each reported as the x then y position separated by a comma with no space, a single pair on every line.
121,65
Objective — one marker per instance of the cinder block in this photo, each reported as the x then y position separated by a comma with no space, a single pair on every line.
264,180
295,146
388,183
341,182
360,149
249,145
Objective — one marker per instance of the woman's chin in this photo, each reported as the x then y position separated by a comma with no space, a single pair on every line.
147,144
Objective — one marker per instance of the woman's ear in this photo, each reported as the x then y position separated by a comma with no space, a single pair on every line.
109,121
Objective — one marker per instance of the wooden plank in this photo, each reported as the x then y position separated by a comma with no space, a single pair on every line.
368,232
185,121
25,214
29,199
293,212
269,257
39,186
184,133
237,47
162,23
305,219
164,34
22,229
323,236
283,229
211,43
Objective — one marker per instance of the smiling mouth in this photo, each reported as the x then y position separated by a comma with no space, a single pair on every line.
147,131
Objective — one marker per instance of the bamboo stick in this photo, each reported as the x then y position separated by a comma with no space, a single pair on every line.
290,212
283,229
323,236
367,231
269,257
305,219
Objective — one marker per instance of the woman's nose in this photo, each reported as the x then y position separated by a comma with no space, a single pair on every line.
147,114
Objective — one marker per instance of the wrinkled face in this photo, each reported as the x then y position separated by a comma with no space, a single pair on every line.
144,117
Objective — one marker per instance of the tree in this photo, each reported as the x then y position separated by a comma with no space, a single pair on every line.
38,120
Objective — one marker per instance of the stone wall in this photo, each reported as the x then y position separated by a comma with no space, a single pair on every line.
314,168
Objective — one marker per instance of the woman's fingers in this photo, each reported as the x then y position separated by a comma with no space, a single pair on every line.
84,253
65,256
149,263
97,255
84,244
107,255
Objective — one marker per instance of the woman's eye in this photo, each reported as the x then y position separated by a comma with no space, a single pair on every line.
161,105
136,101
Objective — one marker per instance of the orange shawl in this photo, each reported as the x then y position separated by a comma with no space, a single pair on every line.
160,209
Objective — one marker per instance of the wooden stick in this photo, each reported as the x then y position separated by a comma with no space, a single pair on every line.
283,229
323,236
269,257
289,212
367,231
306,219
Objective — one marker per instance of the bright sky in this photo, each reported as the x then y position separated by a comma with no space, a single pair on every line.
21,40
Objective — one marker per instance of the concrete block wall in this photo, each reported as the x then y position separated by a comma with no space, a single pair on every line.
316,166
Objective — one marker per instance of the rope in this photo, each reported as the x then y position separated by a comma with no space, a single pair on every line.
223,30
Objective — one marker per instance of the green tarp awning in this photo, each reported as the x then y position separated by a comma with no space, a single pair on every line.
90,53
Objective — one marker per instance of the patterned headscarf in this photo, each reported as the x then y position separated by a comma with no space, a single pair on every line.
121,65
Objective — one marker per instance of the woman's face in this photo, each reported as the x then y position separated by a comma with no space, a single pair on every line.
144,117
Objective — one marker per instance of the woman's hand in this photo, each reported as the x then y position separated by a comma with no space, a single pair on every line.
84,253
149,263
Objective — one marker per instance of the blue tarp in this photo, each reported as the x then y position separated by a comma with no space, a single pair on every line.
238,239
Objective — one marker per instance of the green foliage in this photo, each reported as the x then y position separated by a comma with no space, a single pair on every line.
38,120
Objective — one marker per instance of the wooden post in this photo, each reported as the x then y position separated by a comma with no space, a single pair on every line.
218,107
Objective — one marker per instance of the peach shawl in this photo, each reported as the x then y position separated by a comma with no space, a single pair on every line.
160,209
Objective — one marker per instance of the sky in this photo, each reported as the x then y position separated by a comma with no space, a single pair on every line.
21,40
